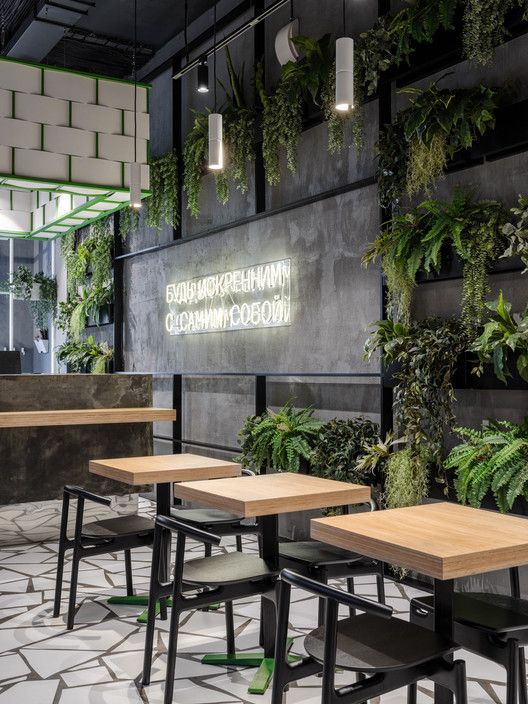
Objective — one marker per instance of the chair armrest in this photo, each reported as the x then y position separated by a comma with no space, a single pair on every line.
326,592
188,530
90,496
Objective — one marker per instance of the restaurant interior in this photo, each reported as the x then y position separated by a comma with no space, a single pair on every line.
263,351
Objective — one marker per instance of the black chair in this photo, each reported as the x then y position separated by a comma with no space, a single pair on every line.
386,653
494,626
218,578
323,562
214,520
96,538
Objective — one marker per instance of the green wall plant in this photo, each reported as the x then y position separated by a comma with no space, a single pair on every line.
425,354
413,152
164,185
485,26
85,355
339,445
412,242
494,459
517,233
504,341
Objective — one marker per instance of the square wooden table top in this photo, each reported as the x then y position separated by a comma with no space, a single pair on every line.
441,540
157,469
270,494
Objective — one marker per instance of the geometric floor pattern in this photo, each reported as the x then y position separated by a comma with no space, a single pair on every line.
99,662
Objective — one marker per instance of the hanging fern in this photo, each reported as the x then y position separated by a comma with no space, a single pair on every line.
492,459
279,439
164,201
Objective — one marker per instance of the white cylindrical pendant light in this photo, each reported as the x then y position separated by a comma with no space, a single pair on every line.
135,185
344,74
216,146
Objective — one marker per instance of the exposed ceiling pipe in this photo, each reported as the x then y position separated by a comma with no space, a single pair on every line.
44,27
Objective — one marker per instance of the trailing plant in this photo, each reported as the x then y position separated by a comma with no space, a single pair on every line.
128,221
405,481
283,109
239,130
21,286
279,439
517,233
63,316
21,283
164,201
44,307
339,445
195,151
437,125
99,246
413,242
374,455
76,263
393,39
485,26
426,354
504,341
492,459
85,355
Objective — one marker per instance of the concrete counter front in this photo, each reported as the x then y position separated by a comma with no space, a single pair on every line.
51,426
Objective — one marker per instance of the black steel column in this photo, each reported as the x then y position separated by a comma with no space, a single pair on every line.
118,265
384,117
268,612
261,401
177,404
259,54
177,143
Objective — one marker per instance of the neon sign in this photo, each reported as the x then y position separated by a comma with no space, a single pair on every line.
242,299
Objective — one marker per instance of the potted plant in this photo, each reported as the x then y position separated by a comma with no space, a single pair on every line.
85,356
281,441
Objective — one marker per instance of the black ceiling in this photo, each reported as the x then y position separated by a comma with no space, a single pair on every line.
101,40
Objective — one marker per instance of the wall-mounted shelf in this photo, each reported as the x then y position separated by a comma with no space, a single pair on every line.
85,416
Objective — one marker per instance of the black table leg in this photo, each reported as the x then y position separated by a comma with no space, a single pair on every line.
270,553
444,624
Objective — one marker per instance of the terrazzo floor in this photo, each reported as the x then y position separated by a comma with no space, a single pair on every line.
100,661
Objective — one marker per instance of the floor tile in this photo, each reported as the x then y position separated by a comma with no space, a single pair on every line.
41,691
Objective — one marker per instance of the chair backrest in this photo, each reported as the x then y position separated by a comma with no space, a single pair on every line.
324,591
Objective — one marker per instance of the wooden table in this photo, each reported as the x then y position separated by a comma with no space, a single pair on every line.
161,470
441,540
266,496
83,416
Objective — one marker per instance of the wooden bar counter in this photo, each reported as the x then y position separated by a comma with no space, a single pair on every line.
51,425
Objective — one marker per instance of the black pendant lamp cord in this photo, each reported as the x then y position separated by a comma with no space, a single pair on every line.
291,11
344,19
134,70
185,25
214,47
